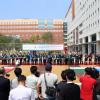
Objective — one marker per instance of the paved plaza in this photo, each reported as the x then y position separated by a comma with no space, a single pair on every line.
57,69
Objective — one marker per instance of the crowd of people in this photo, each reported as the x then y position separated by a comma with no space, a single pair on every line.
35,58
46,86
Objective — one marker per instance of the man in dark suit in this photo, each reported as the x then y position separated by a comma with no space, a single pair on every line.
4,85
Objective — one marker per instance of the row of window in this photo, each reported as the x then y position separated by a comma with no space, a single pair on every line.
93,38
12,27
94,25
30,31
27,23
91,5
94,14
92,11
17,23
49,26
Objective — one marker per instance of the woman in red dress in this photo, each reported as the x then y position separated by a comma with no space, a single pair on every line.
87,84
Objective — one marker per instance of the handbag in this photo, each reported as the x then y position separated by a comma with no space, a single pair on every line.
50,91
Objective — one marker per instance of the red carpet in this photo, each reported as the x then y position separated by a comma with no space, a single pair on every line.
8,69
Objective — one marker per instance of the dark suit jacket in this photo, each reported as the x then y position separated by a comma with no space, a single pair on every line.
69,91
96,90
4,88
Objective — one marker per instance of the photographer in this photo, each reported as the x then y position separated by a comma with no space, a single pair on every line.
47,79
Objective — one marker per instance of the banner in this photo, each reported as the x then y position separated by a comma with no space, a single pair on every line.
41,47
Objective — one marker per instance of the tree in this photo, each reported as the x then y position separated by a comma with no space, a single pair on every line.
47,37
9,42
33,39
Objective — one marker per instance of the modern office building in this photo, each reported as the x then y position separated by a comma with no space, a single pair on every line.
25,28
65,33
83,26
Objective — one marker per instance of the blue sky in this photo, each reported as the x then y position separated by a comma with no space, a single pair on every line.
35,9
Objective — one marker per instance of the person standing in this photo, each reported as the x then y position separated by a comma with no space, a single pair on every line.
32,80
61,85
21,92
17,62
87,84
14,82
46,78
96,88
69,90
4,85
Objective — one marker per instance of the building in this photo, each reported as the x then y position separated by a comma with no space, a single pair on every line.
65,33
25,28
83,26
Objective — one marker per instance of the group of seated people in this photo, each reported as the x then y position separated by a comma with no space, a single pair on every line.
46,86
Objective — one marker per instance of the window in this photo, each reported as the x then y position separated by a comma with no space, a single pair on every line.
98,10
86,39
89,25
93,24
89,16
93,3
41,22
93,37
89,6
93,13
98,22
50,22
